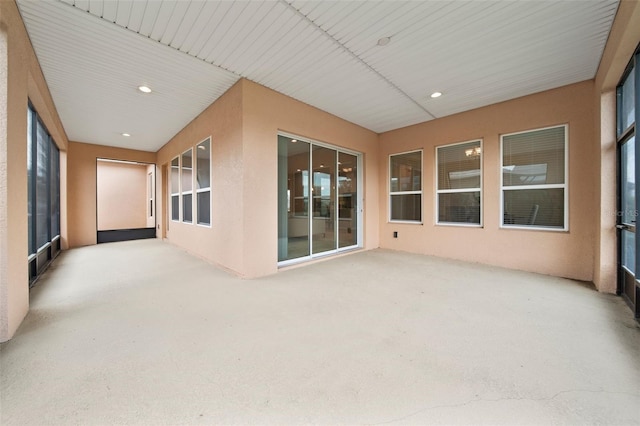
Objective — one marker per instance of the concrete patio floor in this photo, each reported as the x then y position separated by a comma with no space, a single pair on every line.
143,333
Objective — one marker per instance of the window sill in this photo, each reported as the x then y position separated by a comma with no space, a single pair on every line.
534,228
460,224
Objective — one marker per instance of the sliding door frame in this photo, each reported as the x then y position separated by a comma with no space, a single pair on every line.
359,201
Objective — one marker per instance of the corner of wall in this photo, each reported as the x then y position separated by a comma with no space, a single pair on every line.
623,39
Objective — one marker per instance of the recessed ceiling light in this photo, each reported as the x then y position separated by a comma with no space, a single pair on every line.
436,94
144,89
384,41
126,135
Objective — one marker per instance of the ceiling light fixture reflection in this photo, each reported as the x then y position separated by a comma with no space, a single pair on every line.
436,94
294,140
126,135
473,152
144,89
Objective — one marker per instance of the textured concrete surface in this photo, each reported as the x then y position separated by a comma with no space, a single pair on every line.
142,333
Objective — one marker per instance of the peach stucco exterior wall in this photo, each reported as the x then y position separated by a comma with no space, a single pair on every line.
622,42
81,186
267,112
220,243
243,125
20,80
565,254
122,195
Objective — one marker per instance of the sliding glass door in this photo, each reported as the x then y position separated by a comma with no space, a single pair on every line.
628,115
318,199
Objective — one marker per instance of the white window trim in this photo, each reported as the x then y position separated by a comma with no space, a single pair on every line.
412,222
461,190
189,192
208,189
564,186
171,193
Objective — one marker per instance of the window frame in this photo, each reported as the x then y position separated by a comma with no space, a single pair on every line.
40,255
188,192
564,186
461,190
202,190
421,192
150,195
171,190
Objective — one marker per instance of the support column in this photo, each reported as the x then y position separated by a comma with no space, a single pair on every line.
14,279
4,183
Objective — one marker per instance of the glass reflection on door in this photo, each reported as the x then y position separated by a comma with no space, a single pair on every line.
293,199
324,182
317,199
347,200
627,203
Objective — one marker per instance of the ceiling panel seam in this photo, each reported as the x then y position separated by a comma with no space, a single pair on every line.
155,41
357,58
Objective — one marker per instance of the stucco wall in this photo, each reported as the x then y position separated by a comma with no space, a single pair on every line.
220,243
122,195
565,254
243,125
623,40
265,113
20,80
81,187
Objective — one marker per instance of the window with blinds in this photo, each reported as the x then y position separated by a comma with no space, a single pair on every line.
534,179
186,185
405,187
175,189
203,182
459,183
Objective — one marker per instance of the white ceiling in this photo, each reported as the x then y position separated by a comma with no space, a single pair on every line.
95,53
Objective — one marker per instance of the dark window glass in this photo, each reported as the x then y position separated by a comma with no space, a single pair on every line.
55,190
187,208
204,214
626,103
406,207
42,187
175,207
30,182
534,207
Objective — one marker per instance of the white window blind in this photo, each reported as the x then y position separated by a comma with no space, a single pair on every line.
534,178
405,187
459,183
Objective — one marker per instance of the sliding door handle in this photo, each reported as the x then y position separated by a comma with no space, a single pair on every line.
623,227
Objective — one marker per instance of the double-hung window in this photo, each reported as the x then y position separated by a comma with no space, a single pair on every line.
459,183
186,182
534,179
405,187
203,182
175,189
